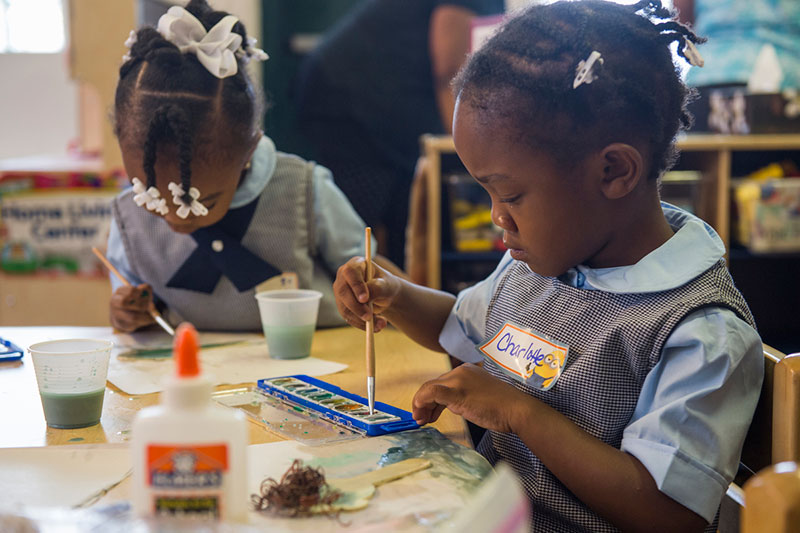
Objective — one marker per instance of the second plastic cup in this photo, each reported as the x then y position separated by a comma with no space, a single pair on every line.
289,318
71,375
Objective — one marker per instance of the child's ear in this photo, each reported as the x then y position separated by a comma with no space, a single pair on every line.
253,145
623,168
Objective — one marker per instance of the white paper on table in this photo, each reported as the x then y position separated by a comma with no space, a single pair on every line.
236,363
56,476
246,362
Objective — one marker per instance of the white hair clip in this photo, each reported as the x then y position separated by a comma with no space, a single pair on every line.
150,198
256,54
584,73
129,42
216,49
196,208
691,53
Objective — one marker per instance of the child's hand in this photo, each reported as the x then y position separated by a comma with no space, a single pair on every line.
353,294
469,391
130,307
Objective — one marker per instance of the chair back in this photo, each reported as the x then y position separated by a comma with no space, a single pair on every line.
774,434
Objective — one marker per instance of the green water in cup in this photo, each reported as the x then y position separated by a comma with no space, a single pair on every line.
68,411
289,342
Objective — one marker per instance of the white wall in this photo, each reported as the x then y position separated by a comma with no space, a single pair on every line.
39,102
38,105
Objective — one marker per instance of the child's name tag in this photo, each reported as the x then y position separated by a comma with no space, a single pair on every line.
287,280
527,357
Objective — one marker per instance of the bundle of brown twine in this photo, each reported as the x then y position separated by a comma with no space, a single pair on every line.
300,489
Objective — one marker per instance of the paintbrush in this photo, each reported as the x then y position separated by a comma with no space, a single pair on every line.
153,313
370,326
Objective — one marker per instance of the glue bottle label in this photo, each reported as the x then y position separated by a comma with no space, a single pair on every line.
187,481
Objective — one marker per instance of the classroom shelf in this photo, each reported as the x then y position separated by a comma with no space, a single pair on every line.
711,154
769,282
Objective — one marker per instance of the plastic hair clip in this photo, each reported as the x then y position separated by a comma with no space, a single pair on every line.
195,207
584,73
248,51
129,42
691,53
150,198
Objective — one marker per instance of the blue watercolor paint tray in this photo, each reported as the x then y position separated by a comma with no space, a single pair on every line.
337,405
10,351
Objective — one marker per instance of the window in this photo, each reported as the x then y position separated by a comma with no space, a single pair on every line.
33,26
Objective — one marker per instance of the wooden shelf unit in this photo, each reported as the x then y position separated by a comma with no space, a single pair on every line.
709,153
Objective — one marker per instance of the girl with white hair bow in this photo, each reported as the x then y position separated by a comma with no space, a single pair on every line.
214,210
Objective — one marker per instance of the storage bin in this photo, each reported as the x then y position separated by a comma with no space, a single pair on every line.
768,215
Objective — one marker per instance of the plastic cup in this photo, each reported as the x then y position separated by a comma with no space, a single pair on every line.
71,375
289,318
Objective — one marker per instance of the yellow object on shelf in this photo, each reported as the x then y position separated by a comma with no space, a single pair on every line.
481,216
474,245
769,215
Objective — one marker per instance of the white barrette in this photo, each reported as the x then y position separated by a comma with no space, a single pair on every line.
196,208
129,42
584,73
256,54
150,198
216,48
691,53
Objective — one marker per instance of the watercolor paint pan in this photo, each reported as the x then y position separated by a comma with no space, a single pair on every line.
337,405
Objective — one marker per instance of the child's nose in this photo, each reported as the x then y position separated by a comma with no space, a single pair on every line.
502,219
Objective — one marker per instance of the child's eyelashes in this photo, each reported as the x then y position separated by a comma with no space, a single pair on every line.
511,199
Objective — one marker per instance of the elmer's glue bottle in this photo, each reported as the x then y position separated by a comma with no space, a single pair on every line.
188,453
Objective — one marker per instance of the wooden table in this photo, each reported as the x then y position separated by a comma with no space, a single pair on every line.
401,367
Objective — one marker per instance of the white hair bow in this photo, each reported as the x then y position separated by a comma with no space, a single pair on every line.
215,48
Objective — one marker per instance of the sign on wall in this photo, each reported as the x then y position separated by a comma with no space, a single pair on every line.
54,229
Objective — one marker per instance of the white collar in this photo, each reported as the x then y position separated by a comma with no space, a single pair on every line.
261,170
694,248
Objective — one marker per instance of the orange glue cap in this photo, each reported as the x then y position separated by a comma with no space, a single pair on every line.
185,351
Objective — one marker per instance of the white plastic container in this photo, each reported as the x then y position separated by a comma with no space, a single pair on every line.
189,454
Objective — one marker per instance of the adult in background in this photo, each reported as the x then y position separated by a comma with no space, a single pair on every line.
378,80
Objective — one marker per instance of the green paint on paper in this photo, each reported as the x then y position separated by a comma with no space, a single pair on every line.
458,463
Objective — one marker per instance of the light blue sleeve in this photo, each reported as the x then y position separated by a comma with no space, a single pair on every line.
695,408
116,254
339,231
465,327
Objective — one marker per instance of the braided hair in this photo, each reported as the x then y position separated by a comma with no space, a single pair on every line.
166,97
524,74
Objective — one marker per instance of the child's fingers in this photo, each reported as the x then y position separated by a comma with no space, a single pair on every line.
132,298
350,317
128,321
380,323
431,399
355,280
381,292
350,289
